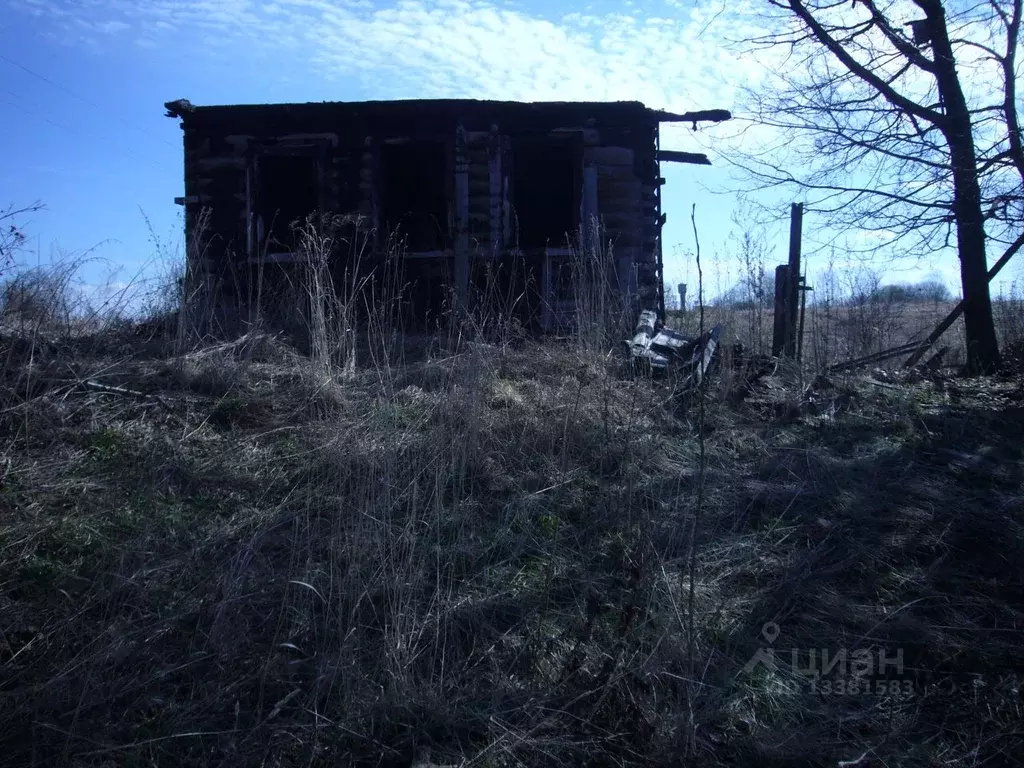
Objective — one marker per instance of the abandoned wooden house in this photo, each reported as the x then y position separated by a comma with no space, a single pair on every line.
463,190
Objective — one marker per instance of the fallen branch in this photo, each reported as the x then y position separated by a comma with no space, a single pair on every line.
111,389
876,357
99,387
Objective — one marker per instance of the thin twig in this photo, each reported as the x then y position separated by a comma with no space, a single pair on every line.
157,740
692,565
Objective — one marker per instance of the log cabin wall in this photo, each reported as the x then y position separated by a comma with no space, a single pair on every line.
483,196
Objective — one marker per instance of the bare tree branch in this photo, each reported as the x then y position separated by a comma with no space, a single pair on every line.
864,73
11,235
916,139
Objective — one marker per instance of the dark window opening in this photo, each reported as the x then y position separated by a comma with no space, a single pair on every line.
287,193
547,178
414,195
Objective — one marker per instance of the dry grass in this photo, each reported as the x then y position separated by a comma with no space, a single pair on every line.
250,555
839,333
488,558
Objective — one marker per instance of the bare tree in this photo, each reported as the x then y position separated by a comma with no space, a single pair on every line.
908,111
11,235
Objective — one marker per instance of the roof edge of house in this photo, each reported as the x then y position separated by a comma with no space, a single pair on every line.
183,108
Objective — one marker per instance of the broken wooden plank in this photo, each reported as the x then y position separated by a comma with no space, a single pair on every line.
697,116
692,158
662,349
703,355
640,345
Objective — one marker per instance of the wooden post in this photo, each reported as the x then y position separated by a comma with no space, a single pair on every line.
461,222
803,311
546,299
494,177
787,290
588,210
590,242
796,217
781,310
682,297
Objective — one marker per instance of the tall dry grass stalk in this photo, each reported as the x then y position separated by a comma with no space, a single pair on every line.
496,306
603,314
333,295
1009,315
382,301
693,674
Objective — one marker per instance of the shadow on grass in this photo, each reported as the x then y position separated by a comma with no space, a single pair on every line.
901,546
488,557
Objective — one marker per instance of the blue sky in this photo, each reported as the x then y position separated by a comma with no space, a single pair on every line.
82,83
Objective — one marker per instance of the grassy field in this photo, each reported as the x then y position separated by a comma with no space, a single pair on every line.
500,553
833,334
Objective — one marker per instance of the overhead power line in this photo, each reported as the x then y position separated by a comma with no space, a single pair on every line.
85,100
77,131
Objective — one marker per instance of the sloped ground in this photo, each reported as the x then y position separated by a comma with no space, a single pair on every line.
483,558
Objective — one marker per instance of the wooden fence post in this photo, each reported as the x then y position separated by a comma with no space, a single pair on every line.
787,289
781,310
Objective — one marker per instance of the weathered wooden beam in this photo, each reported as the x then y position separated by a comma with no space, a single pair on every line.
692,158
442,254
698,116
496,204
462,232
589,210
178,108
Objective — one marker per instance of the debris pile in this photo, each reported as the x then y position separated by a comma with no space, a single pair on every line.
661,350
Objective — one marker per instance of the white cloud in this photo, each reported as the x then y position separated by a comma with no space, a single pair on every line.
454,48
111,27
668,56
673,55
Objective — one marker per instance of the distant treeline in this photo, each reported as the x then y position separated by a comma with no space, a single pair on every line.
759,292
